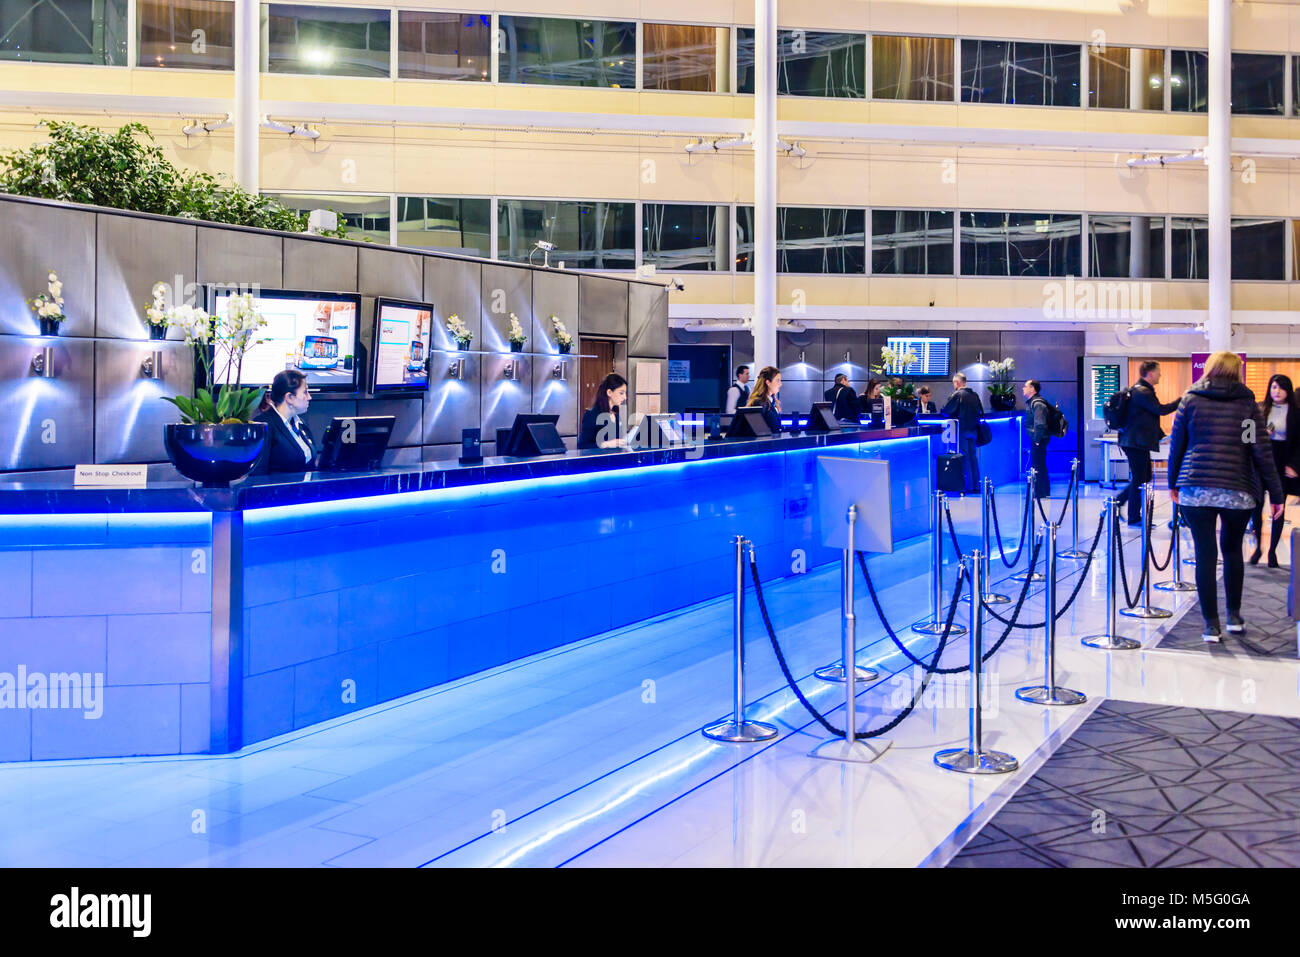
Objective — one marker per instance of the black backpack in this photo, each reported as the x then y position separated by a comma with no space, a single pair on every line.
1115,411
1057,426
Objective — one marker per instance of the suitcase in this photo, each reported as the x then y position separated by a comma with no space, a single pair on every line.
951,472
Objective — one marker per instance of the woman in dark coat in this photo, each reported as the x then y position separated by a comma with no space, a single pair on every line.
1282,414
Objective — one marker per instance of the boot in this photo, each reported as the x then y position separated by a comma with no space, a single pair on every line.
1275,537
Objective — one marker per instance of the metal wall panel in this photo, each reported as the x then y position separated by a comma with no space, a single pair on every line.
46,423
853,341
409,427
1042,355
130,410
554,294
237,256
326,267
454,287
801,357
797,396
506,289
133,254
555,396
602,306
322,411
451,404
34,240
502,398
647,320
386,272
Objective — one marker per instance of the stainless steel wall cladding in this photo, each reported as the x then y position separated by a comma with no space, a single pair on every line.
310,264
34,240
647,321
46,422
132,255
801,357
554,294
602,306
502,398
238,256
506,290
129,409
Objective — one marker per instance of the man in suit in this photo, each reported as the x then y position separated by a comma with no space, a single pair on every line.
1141,435
738,393
844,401
965,406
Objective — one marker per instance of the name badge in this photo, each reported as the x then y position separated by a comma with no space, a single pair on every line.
119,476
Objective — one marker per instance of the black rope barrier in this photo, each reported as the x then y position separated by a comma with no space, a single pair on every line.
997,531
1129,600
1078,585
1151,550
952,532
1069,493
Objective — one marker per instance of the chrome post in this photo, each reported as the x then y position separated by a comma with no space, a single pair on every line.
1049,692
1029,506
1111,640
1074,554
1177,584
973,759
934,625
1146,609
738,730
986,524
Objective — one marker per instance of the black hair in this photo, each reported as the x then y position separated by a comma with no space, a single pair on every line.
1285,382
608,384
1035,385
841,378
740,369
285,383
1147,366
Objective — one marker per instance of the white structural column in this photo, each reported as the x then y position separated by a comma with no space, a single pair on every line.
248,56
1218,159
764,325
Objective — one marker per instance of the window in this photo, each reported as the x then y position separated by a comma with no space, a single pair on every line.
680,57
1013,71
808,63
681,236
446,225
1020,244
594,235
558,52
64,31
1259,248
808,240
334,41
911,242
366,217
912,68
1189,246
1258,81
443,46
186,34
1126,78
1126,247
1189,81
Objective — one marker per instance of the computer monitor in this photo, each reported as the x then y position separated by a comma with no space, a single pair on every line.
822,419
356,442
657,430
316,332
748,423
533,434
399,357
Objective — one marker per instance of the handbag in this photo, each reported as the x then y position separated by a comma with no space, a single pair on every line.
983,434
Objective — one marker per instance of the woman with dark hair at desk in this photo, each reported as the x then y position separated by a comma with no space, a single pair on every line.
602,425
766,395
289,445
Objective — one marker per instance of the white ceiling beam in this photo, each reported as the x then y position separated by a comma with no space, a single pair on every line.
842,316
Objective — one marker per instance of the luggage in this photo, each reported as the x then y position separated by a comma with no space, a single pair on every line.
951,472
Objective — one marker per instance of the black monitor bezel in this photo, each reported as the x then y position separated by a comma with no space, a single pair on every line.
519,427
334,428
389,391
929,376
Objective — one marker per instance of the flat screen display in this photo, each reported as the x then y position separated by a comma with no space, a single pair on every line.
312,331
932,355
401,350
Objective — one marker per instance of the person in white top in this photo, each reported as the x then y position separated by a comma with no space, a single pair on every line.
738,393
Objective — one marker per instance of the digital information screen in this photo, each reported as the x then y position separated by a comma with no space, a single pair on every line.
932,354
1105,383
314,333
402,334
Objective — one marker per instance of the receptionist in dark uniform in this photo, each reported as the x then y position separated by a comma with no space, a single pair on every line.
289,444
603,425
766,395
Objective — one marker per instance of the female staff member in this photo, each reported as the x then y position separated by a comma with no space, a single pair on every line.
602,425
1215,471
1282,413
289,445
766,396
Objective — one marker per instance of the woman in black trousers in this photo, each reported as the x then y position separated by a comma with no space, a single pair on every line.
1218,472
1282,413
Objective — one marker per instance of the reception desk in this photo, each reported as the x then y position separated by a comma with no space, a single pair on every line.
171,619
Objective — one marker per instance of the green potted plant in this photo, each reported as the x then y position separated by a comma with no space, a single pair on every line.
1002,396
48,305
516,334
459,332
563,338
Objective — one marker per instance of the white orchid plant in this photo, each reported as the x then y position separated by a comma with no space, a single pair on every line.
893,362
459,331
156,312
562,335
516,331
49,304
1001,370
217,340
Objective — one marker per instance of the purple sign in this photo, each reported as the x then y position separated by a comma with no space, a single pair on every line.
1198,365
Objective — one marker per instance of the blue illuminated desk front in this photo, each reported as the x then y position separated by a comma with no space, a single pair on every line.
173,620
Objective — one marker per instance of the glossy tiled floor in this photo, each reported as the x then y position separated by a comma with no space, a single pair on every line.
591,755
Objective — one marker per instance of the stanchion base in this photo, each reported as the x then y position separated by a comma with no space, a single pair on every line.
1146,611
1174,586
936,628
1035,577
1041,694
862,751
969,762
1110,642
836,673
990,599
744,733
1189,561
1073,554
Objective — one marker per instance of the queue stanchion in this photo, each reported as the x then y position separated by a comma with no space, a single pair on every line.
934,625
848,619
738,730
1073,553
1049,692
1146,609
1177,583
986,507
974,759
1111,640
850,747
1030,478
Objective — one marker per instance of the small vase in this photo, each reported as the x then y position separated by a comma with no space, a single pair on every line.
462,345
564,349
157,331
49,327
516,347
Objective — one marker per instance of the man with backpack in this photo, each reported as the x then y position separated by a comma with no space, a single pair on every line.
1136,413
1041,424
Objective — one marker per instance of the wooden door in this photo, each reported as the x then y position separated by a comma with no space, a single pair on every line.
591,372
1175,379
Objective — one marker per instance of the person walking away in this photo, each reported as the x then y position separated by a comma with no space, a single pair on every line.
1141,436
965,406
738,392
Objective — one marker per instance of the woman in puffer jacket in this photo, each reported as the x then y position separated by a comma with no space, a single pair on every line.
1220,464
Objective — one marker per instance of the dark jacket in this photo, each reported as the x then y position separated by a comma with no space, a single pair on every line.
926,408
965,406
282,452
1036,413
592,427
845,405
1208,447
771,416
741,392
1142,427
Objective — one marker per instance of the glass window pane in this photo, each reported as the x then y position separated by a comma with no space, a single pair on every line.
1258,80
912,68
1126,247
681,57
1295,249
64,31
556,52
911,242
1295,84
1258,248
808,63
187,34
443,46
445,224
681,236
594,235
1126,78
808,240
1189,246
1011,71
1189,81
334,41
366,217
1020,244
